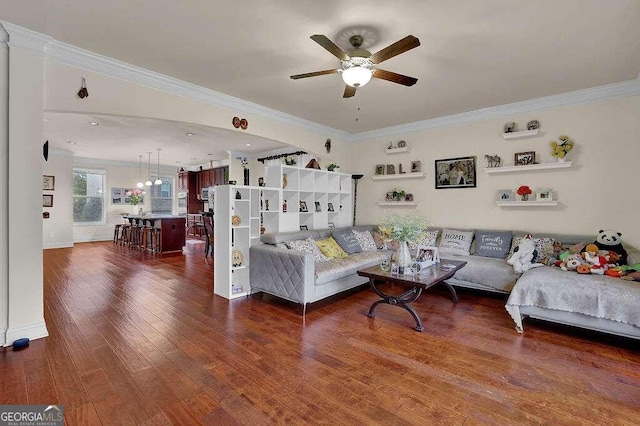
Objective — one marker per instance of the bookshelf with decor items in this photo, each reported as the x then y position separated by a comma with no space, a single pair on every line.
239,216
315,198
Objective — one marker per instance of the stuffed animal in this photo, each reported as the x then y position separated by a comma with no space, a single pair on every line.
583,269
571,262
632,276
523,255
598,264
611,241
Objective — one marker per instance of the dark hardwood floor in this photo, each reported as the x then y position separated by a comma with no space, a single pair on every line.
137,339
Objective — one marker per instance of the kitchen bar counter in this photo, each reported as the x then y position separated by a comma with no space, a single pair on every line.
173,234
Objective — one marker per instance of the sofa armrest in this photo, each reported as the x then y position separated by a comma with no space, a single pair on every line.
284,273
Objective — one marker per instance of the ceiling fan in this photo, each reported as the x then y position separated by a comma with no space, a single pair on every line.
358,64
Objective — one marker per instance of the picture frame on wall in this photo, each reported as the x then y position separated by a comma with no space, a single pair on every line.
303,207
48,182
329,207
505,195
457,172
524,158
47,200
544,194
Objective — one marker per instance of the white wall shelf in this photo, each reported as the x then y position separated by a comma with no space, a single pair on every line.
398,203
527,203
397,150
414,175
520,135
528,167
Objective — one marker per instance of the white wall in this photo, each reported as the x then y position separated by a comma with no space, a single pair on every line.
57,231
597,192
119,175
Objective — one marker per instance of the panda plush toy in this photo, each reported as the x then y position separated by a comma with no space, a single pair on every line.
611,241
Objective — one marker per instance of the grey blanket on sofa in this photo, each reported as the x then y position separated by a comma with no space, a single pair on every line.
595,295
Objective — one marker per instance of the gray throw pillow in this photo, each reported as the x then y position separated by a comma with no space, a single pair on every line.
347,240
493,243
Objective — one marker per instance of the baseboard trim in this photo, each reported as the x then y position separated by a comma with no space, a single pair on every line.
57,245
32,331
93,239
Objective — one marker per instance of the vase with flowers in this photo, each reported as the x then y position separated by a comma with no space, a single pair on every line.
562,148
524,191
135,197
403,228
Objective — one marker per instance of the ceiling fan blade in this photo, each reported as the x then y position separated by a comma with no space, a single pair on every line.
349,91
401,46
330,46
396,78
313,74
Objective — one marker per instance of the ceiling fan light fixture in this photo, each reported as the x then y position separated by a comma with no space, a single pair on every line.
357,76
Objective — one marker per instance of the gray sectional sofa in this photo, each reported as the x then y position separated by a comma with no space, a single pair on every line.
595,302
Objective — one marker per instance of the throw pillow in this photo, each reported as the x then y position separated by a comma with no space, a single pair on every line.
365,239
455,242
308,246
544,249
347,240
379,239
493,243
427,238
330,248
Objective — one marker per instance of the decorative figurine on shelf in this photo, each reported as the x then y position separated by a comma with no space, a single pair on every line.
262,229
285,180
390,145
400,171
493,160
313,164
533,125
235,220
327,145
238,195
510,127
284,206
402,144
266,205
260,181
236,258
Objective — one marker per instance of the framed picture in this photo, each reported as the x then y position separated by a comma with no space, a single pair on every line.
416,166
544,194
524,158
389,196
304,228
456,173
505,195
48,183
427,256
330,207
391,169
47,200
380,169
332,225
318,208
303,207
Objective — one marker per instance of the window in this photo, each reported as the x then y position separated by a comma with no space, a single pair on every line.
162,196
88,196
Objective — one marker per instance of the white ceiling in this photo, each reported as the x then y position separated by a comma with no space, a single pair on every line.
124,138
474,53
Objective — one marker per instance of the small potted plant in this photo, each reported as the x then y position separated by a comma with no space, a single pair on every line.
524,191
398,194
332,167
560,150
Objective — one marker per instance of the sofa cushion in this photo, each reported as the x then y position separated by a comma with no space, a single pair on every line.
427,238
347,240
486,271
544,248
455,242
365,239
330,248
493,243
340,268
308,246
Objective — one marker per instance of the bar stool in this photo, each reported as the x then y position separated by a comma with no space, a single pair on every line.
125,236
116,233
146,238
156,240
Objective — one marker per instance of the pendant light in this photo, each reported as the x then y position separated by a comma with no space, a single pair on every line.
158,180
148,182
140,184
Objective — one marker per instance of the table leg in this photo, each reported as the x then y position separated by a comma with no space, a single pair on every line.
454,295
402,301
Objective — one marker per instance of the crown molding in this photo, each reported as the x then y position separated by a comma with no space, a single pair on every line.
94,162
26,39
625,88
81,58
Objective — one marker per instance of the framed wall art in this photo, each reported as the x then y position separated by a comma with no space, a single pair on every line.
505,195
48,183
47,200
524,158
303,207
544,194
456,173
380,168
